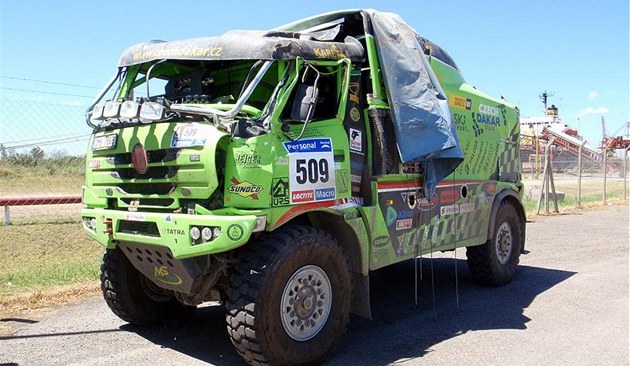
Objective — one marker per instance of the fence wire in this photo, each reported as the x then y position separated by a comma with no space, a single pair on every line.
43,145
42,155
579,181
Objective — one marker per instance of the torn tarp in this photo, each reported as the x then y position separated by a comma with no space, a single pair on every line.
422,119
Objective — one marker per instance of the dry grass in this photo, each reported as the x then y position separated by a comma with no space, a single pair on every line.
35,305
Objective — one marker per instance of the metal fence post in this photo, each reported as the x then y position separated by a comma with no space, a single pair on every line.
7,215
580,167
625,173
605,170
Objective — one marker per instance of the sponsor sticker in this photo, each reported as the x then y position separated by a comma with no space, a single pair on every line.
244,189
135,216
390,216
302,196
247,160
325,194
163,275
311,170
355,114
404,224
190,134
356,140
235,232
455,209
380,241
460,102
280,192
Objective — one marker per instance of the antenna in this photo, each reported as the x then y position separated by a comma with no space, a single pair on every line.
543,97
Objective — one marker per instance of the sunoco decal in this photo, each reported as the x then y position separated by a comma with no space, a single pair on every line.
311,170
244,189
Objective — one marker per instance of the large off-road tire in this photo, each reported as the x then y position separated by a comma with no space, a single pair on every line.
129,294
495,262
289,298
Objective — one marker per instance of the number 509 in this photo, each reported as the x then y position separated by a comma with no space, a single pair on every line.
312,170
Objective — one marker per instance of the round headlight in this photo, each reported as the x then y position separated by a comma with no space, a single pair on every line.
206,233
216,232
195,233
93,223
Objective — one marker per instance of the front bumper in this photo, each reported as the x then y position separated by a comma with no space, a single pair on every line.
168,230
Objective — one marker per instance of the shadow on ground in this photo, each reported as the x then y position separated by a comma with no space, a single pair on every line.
399,329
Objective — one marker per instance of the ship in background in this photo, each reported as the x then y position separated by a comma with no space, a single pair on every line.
567,143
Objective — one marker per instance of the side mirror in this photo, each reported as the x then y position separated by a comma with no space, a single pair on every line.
304,103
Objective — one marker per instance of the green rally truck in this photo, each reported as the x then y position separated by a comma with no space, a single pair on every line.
273,171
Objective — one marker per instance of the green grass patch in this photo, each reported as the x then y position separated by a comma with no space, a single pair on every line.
42,255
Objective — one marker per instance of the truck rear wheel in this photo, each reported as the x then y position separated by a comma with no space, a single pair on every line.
289,298
495,262
129,294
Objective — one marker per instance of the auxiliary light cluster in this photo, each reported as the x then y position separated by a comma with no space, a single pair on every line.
146,112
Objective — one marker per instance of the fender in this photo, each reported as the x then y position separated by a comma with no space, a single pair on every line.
507,194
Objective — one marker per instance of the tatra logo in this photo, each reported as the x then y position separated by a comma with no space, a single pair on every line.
139,159
244,189
175,231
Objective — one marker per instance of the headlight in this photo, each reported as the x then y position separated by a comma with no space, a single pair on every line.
97,111
111,110
129,109
195,233
151,111
206,234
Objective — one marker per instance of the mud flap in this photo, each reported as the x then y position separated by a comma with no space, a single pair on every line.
360,303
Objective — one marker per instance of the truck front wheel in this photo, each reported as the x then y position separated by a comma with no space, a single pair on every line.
495,262
289,298
129,294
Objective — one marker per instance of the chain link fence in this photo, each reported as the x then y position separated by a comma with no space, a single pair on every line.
578,181
42,159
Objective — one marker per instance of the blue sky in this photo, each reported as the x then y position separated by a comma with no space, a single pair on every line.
578,50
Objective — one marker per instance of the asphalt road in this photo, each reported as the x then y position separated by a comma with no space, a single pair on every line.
568,305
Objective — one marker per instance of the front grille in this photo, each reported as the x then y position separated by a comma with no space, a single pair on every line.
138,228
150,188
174,176
156,172
153,156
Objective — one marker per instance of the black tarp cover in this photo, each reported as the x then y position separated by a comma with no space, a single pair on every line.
243,45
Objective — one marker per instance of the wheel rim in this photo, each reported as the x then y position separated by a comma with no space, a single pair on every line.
503,243
306,303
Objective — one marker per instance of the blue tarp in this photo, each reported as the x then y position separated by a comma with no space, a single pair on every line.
422,118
